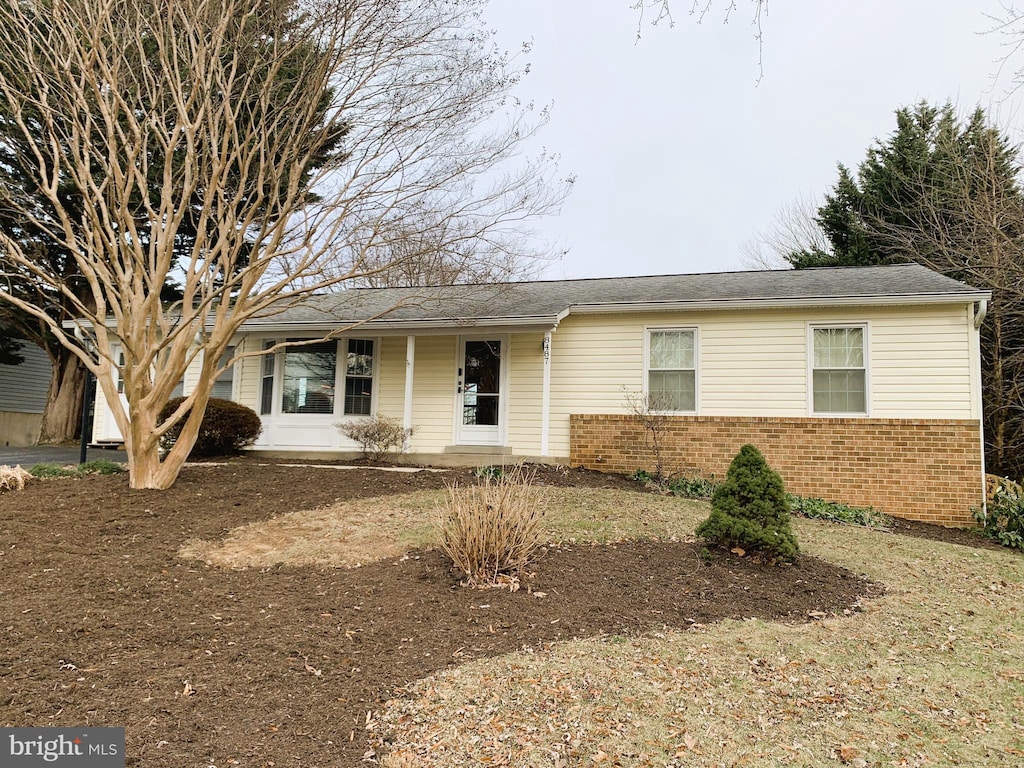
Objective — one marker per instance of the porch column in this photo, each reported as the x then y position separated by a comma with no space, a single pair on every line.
545,404
410,362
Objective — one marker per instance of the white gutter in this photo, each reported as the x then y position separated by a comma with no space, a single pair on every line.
420,327
782,303
977,401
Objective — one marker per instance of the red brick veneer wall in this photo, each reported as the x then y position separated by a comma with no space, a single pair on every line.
920,469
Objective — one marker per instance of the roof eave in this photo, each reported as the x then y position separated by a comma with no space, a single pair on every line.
537,322
782,303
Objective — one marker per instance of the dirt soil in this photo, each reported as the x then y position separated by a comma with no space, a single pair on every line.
103,624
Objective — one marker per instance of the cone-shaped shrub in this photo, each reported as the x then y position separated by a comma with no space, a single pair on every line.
750,509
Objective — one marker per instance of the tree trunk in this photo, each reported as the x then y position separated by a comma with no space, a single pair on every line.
146,468
62,415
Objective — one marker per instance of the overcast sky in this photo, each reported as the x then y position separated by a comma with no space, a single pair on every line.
681,156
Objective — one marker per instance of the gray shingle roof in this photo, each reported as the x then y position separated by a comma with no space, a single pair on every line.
544,302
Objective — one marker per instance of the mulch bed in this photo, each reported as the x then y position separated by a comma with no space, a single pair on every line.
103,624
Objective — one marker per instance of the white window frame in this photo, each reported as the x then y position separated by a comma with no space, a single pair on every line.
272,376
340,372
865,326
343,376
695,330
279,370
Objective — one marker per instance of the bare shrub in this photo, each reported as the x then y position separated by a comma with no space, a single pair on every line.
13,478
377,435
653,413
492,530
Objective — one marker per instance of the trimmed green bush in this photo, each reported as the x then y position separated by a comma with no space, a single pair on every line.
227,427
750,509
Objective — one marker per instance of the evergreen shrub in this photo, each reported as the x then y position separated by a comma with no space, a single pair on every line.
750,509
227,427
1005,519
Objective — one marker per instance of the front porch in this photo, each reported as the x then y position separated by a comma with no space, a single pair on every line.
469,398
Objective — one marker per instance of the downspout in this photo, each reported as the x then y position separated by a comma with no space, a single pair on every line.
979,314
981,310
410,366
545,407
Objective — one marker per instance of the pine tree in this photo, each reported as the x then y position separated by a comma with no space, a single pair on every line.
943,191
750,509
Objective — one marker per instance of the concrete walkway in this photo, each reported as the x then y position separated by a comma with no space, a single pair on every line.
55,454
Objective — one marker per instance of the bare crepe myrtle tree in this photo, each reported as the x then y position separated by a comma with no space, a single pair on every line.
288,140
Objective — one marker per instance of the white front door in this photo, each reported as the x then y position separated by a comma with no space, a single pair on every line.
480,404
111,432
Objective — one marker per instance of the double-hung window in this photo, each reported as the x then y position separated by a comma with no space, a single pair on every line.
839,369
359,378
672,370
267,380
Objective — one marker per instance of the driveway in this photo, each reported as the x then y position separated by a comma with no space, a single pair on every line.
55,454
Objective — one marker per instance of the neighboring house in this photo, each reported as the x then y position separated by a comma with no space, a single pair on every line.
23,390
860,385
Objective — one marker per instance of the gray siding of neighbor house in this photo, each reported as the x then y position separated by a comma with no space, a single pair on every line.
23,387
22,397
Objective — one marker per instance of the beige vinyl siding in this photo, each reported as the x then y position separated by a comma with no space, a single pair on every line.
920,365
752,364
525,393
192,373
755,363
391,376
248,373
433,393
592,358
749,363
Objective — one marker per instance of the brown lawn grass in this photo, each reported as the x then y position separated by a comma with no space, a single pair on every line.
354,533
932,674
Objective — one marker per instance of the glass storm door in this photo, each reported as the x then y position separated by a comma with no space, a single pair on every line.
479,392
